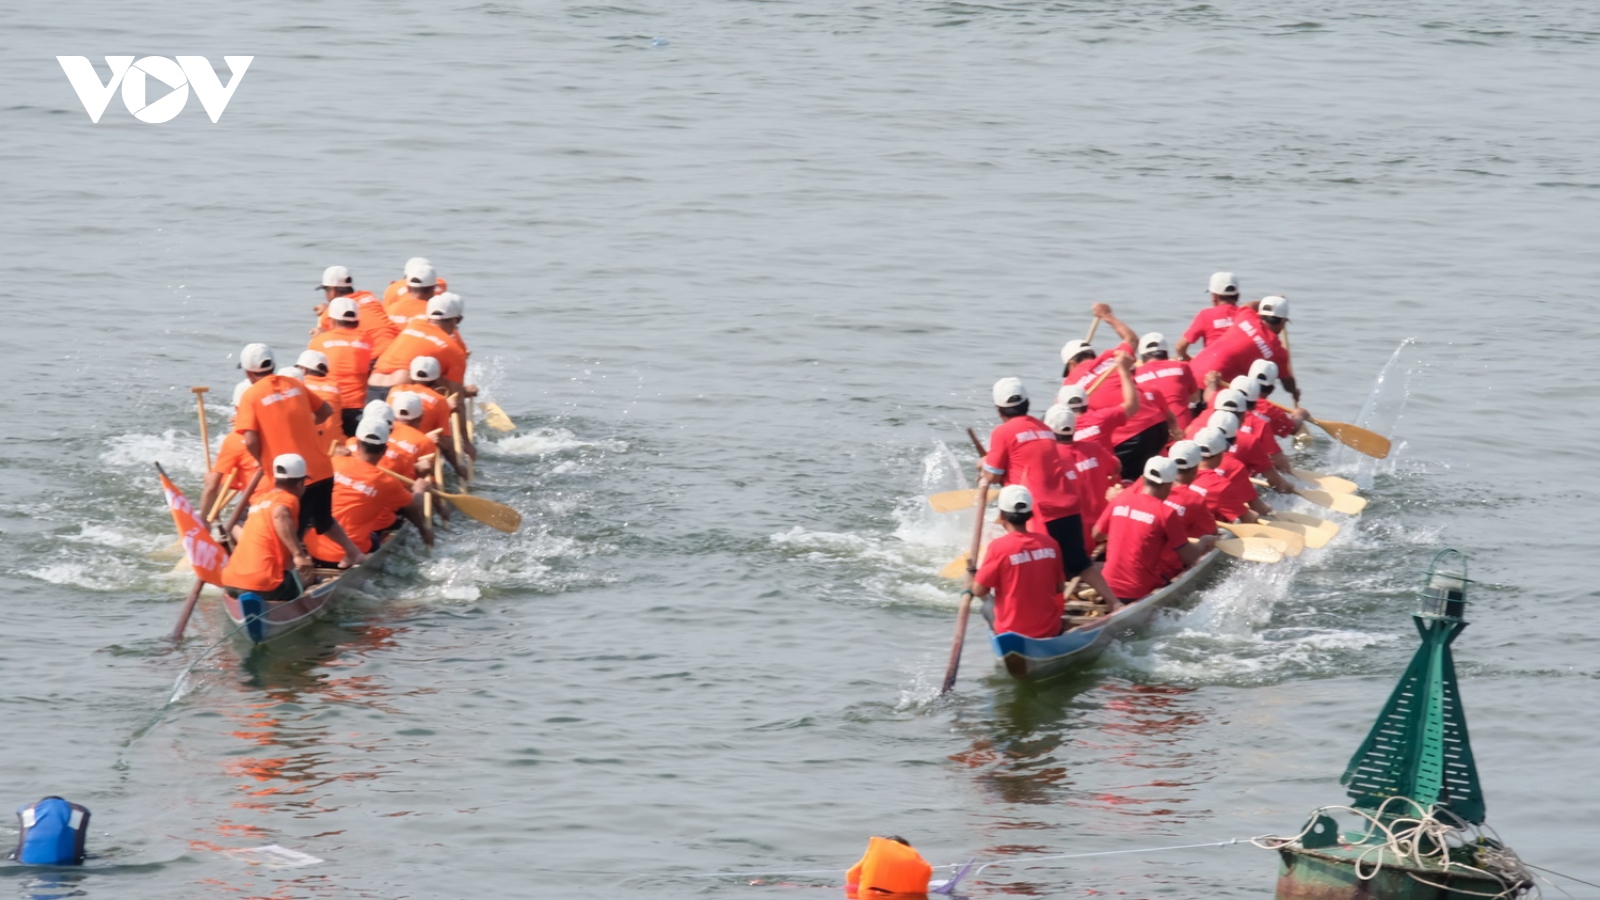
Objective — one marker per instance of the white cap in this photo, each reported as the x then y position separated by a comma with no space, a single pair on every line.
256,358
1249,387
444,306
1014,498
414,262
1152,342
1072,348
377,409
1274,307
1231,400
1212,442
1060,419
344,309
1264,371
1009,392
421,275
1225,422
407,406
1160,470
238,391
295,372
1224,283
1185,454
288,465
424,368
313,361
372,430
1072,397
336,276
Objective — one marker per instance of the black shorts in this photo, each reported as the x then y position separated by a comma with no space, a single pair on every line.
349,419
1134,452
287,589
1068,532
316,507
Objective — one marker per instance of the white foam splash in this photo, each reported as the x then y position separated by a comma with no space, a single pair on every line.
178,452
99,575
546,441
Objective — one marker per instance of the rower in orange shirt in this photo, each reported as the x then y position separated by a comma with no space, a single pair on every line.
350,355
407,416
373,323
234,465
278,415
367,502
426,336
267,558
311,369
407,299
436,407
397,458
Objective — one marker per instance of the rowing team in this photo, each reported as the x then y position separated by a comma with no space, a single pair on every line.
1064,495
345,431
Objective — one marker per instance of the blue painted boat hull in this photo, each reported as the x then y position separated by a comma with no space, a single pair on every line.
1039,659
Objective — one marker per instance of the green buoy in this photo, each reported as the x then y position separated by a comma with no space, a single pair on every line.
1413,787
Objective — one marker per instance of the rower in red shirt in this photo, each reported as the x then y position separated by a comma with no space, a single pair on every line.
1141,531
1212,322
1022,450
1165,382
1089,467
1223,479
1225,400
1257,448
1285,422
1189,503
1023,570
1096,427
1253,336
1144,431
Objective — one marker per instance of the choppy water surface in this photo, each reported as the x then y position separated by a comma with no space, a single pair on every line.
742,273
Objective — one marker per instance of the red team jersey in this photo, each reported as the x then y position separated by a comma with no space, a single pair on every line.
1256,444
1247,341
1282,424
1024,570
1210,323
1108,397
1169,383
1227,488
1023,449
1140,534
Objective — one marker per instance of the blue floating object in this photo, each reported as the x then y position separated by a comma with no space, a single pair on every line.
53,833
659,42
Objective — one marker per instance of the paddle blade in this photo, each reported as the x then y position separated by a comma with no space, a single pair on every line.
495,515
1349,504
496,418
1253,549
1294,544
953,501
955,569
1326,482
1317,532
1358,439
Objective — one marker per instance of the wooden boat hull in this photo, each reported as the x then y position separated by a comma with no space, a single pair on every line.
263,621
1038,659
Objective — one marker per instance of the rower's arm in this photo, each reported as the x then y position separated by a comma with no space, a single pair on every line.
252,444
1191,553
1130,393
209,495
323,412
1291,387
1182,349
285,526
1124,333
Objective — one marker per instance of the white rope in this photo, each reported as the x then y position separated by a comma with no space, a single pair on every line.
1423,839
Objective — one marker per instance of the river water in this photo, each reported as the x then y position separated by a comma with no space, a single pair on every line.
742,273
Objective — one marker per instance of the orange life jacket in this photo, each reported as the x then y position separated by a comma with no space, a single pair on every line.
889,867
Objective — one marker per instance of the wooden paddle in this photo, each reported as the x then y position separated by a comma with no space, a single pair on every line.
953,501
1254,549
966,596
1348,504
199,585
495,515
496,418
1317,532
1294,544
1326,482
205,436
1353,436
461,453
472,434
1094,325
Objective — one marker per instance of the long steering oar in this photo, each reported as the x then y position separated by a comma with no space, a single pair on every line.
1293,543
495,515
199,585
1353,436
966,596
1348,504
205,436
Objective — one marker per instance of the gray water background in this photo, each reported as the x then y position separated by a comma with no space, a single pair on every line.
742,287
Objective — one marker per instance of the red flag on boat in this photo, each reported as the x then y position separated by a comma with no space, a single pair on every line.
205,554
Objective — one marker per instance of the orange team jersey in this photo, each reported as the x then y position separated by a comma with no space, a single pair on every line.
454,335
373,322
395,458
350,358
364,501
260,560
398,288
283,412
412,441
233,457
423,338
435,408
326,390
